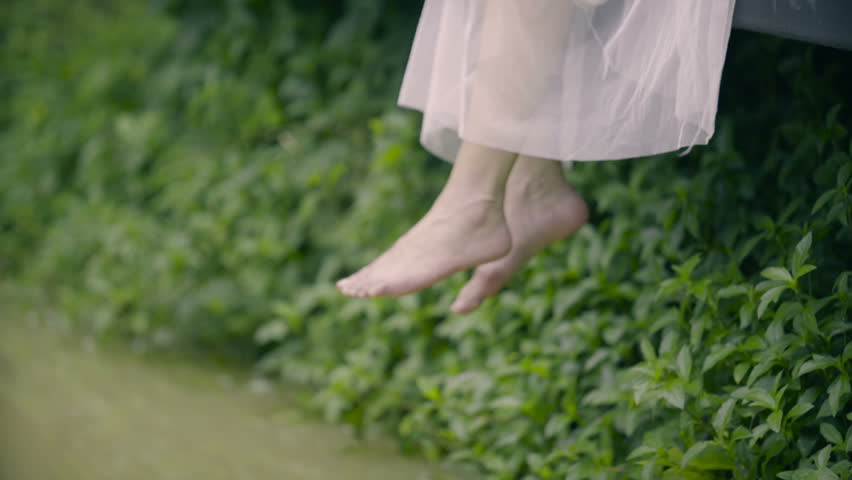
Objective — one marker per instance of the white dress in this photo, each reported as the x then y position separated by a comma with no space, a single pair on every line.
567,79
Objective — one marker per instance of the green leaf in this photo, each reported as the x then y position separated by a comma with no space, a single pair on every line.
669,287
740,433
684,362
745,248
717,356
823,199
761,398
831,115
712,458
788,310
650,471
826,474
817,362
777,273
774,332
774,420
428,388
801,253
740,371
836,212
754,342
824,410
696,331
733,291
809,321
823,456
693,452
757,433
804,270
844,174
830,433
836,391
685,269
804,246
768,298
848,446
507,402
746,315
272,331
641,451
799,409
647,350
765,285
759,369
675,396
723,415
841,285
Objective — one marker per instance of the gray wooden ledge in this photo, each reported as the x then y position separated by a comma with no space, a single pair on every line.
825,22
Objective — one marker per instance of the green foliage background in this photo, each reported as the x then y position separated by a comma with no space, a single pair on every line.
187,173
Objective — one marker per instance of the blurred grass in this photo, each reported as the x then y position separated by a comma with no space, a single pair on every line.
71,410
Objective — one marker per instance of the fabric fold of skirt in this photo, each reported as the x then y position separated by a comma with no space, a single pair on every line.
568,79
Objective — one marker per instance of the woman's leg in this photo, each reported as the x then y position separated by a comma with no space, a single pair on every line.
464,228
540,208
518,56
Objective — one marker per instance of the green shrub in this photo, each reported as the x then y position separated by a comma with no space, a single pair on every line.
197,174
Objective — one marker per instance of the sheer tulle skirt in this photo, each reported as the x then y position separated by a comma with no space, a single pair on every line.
568,79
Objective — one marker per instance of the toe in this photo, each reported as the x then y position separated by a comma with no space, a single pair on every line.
346,283
347,290
470,297
465,305
486,281
377,290
492,277
355,290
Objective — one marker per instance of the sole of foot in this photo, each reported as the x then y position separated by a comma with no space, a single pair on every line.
447,240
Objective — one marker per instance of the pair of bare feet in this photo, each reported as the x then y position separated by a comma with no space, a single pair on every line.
496,212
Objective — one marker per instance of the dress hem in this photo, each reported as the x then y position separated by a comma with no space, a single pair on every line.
686,146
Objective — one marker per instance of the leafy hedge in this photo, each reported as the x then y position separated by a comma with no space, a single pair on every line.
197,173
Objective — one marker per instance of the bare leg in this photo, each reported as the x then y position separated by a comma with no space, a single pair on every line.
466,225
464,228
540,209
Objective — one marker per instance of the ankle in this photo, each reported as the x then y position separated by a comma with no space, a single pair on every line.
478,212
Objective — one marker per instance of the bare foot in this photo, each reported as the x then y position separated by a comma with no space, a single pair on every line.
465,227
445,241
541,208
